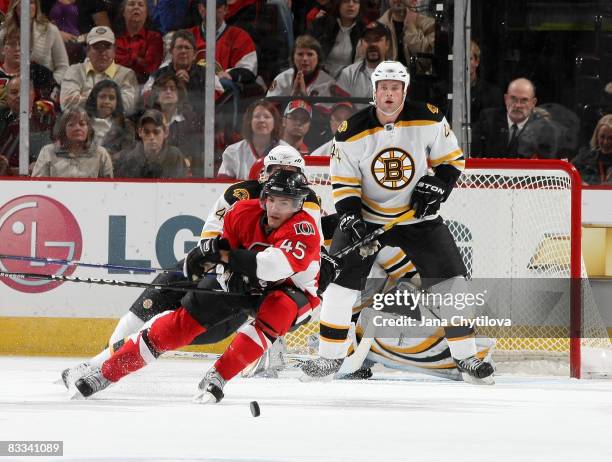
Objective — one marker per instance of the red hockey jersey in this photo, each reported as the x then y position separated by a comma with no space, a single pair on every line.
290,252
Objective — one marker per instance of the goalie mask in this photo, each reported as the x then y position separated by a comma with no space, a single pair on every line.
390,70
286,184
283,156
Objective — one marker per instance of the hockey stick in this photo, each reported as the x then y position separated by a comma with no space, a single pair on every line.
114,282
57,261
374,234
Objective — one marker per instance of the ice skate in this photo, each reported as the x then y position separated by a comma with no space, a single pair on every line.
91,383
476,371
72,374
210,388
320,368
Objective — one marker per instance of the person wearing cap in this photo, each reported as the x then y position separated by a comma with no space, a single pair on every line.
99,65
152,157
74,154
339,113
355,79
296,124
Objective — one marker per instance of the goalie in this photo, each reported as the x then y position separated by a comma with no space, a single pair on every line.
270,249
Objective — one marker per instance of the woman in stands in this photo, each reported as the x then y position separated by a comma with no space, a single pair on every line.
339,32
74,155
112,130
169,95
595,162
47,47
138,47
261,127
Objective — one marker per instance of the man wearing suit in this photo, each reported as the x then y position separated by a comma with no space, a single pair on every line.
498,131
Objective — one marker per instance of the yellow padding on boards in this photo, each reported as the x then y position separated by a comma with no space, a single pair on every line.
34,336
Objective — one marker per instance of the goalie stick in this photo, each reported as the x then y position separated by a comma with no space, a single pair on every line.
57,261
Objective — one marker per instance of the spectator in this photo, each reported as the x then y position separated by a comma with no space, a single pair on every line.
483,94
45,85
184,66
74,155
321,9
371,10
394,19
296,124
498,131
419,35
339,113
65,15
99,65
42,120
235,50
339,32
186,128
92,13
168,15
47,47
112,130
595,162
240,11
138,48
152,157
356,79
305,77
261,132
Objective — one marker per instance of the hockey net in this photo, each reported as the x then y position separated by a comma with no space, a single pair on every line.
517,221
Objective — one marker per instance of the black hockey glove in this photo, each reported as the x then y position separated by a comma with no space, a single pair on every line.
428,194
330,267
353,227
207,251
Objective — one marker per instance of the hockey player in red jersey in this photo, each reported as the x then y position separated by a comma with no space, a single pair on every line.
270,249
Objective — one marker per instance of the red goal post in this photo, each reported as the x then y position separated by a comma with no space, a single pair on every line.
517,219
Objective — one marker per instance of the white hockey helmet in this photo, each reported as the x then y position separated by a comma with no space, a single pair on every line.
390,70
284,155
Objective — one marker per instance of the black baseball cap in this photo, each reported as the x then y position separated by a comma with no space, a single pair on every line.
377,29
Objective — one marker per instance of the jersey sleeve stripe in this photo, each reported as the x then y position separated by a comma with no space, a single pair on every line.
460,164
311,206
401,271
346,192
457,154
346,180
209,234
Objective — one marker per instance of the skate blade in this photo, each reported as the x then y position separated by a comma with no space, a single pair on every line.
490,380
308,378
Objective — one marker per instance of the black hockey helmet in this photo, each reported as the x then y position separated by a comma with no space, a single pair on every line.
286,184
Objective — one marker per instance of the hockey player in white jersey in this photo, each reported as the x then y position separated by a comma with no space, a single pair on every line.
381,167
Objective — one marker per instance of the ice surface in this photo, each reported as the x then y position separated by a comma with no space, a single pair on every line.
149,416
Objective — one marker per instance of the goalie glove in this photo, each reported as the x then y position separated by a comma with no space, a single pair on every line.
428,194
207,251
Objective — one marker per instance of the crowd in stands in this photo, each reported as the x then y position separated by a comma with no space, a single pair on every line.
117,87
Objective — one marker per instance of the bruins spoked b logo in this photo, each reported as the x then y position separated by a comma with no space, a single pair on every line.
393,168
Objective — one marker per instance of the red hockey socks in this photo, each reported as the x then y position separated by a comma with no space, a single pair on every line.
168,332
248,345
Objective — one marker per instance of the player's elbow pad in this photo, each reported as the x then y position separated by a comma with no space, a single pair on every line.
244,262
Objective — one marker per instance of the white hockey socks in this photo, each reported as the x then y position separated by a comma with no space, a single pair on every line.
128,324
336,313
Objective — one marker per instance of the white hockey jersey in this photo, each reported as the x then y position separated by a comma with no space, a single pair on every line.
379,166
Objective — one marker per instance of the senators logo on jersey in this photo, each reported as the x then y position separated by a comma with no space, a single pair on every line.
304,228
393,168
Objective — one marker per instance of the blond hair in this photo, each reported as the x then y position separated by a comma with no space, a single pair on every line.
605,121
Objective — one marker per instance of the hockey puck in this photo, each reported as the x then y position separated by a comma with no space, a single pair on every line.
255,409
